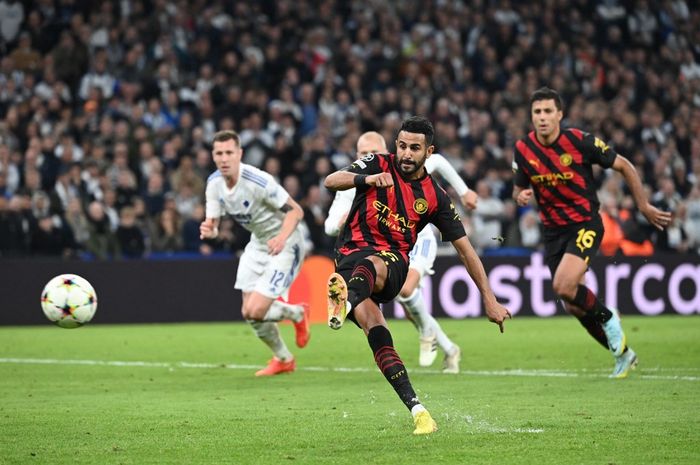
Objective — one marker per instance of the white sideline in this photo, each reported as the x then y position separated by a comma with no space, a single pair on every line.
519,372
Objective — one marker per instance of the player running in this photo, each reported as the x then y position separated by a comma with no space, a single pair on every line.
555,165
273,256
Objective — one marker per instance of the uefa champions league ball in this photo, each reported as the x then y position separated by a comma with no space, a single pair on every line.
69,300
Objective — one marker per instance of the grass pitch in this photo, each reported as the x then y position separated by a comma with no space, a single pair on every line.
139,394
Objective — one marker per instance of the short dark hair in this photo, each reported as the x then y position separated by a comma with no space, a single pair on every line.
223,136
545,93
419,125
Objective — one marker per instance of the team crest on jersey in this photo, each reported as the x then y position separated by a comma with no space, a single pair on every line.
420,206
565,159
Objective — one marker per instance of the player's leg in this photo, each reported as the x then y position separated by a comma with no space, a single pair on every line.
264,279
357,277
588,321
273,284
268,332
411,299
431,333
567,284
369,317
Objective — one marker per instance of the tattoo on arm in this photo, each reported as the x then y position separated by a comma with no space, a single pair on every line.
285,208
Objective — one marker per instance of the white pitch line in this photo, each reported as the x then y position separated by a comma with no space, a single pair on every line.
494,373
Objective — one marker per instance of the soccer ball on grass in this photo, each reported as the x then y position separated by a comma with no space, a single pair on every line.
69,300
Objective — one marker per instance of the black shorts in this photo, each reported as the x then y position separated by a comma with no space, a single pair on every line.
397,270
580,239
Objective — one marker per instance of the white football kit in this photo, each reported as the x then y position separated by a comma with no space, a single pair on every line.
254,202
422,255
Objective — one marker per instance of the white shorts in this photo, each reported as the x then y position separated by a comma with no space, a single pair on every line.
422,255
271,276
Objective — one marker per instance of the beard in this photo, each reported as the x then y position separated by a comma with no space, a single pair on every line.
408,167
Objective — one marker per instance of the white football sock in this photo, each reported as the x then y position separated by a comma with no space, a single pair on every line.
270,335
279,311
424,321
417,409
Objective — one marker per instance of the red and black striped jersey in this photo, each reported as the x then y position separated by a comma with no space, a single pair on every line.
561,174
390,219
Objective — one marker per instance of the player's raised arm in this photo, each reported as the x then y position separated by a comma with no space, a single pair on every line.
660,219
495,312
438,164
364,172
344,180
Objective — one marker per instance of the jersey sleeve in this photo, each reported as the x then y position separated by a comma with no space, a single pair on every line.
447,219
273,194
520,178
369,164
213,206
436,163
596,151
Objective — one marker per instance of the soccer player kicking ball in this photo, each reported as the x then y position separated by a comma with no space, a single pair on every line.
557,164
422,256
273,256
395,199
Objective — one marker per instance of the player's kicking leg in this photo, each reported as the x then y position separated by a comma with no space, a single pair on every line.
370,276
337,294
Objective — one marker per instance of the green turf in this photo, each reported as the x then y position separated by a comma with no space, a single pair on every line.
560,409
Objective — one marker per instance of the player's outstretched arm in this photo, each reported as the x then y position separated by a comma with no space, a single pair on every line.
656,217
495,312
439,164
293,214
209,228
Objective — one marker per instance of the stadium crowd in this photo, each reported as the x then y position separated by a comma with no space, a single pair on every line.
107,109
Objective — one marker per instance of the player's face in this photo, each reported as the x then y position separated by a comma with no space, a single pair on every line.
227,156
545,117
411,153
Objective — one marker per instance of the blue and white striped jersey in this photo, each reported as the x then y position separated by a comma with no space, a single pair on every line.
254,201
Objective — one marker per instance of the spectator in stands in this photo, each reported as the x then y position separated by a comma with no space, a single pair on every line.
166,233
102,243
143,73
129,236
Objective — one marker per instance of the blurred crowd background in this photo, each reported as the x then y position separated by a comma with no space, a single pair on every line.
107,110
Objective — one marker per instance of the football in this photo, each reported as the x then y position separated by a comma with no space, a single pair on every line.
69,300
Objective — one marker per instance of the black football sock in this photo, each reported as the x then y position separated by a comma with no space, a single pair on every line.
594,328
587,300
361,282
391,366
